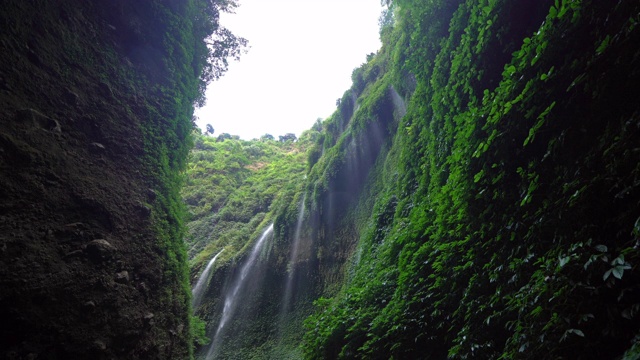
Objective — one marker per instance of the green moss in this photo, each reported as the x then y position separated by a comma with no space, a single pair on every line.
480,236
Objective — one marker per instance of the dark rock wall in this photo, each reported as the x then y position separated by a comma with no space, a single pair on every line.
81,275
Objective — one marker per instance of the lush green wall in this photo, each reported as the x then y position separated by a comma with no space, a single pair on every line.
495,215
506,219
176,49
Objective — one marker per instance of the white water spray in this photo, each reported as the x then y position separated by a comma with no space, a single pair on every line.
231,297
398,103
292,261
356,106
201,285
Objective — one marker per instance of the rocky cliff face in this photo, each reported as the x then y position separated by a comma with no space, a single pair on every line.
81,271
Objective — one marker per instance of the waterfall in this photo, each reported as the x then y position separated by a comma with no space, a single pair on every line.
201,285
231,296
398,102
356,106
292,260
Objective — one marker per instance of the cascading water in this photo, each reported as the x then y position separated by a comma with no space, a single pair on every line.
292,260
398,102
354,99
231,297
201,285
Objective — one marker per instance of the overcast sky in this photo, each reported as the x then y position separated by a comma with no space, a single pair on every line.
300,61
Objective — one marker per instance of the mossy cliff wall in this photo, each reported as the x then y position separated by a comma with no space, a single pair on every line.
95,116
502,221
495,217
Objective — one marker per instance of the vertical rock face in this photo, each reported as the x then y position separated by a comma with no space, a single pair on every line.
81,274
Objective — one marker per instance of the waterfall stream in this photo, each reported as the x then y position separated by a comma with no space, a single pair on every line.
231,296
398,103
201,285
292,260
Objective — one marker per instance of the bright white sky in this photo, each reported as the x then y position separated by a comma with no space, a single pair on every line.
300,61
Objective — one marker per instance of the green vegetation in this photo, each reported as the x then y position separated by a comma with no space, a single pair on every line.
232,190
198,327
231,186
496,219
488,237
176,49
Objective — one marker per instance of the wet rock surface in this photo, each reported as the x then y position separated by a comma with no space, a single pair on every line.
79,264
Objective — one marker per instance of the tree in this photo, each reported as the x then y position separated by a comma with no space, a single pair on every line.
370,56
287,137
219,44
266,137
210,129
317,126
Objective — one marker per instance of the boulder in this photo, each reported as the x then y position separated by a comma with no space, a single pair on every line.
100,250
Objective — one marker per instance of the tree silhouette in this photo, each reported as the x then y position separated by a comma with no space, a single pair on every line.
210,130
287,137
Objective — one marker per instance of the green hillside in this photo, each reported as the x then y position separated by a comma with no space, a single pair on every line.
232,185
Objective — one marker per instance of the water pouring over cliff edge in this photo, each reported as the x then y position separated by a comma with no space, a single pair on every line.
203,281
231,296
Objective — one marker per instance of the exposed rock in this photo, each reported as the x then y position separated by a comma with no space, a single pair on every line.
15,152
148,318
105,90
143,288
143,210
177,330
122,277
71,97
97,147
74,253
64,203
151,194
76,225
100,345
100,250
55,127
34,119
